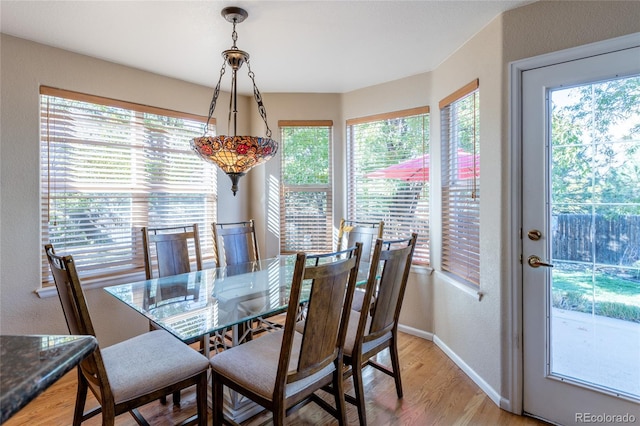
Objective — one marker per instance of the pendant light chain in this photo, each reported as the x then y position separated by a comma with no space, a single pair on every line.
216,93
234,34
235,154
258,97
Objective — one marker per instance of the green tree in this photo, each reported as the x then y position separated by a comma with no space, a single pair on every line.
596,151
305,156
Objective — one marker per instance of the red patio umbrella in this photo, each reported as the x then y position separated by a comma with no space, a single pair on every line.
417,169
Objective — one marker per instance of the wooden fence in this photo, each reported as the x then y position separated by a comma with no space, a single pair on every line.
613,240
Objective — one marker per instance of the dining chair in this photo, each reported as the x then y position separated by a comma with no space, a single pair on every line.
351,231
171,251
236,244
129,374
372,330
281,371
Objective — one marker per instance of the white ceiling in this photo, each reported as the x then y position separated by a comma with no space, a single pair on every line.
327,46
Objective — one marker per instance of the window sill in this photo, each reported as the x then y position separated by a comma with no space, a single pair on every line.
44,292
421,270
90,284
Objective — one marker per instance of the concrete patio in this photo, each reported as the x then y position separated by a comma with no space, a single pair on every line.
597,349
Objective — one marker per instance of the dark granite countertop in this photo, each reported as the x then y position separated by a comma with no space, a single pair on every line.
30,364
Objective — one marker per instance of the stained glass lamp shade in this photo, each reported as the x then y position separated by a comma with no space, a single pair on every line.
235,155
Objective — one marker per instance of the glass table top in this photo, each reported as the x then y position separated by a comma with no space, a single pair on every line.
204,302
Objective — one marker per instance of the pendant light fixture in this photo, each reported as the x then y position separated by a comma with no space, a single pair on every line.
235,155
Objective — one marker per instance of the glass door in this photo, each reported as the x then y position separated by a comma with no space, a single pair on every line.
581,239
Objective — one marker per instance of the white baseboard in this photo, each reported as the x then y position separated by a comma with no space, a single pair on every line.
486,388
494,395
415,332
505,404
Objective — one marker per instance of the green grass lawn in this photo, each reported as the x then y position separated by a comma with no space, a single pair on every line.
604,294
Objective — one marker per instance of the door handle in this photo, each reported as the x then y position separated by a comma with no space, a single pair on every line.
536,262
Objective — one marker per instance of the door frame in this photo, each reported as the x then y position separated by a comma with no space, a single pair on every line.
513,397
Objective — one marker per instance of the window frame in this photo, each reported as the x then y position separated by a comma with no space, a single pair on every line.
460,238
325,237
401,190
53,138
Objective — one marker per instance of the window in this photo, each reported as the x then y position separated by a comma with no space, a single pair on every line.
460,138
388,174
111,167
306,200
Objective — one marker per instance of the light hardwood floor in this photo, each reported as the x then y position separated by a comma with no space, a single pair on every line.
436,392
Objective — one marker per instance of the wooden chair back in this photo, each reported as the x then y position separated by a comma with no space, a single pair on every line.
92,373
352,231
394,258
333,281
377,327
76,313
169,250
235,243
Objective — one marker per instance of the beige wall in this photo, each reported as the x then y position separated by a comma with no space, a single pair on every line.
472,331
24,67
550,26
476,332
468,326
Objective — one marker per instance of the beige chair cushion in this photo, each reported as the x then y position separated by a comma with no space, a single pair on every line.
254,365
148,362
352,331
358,300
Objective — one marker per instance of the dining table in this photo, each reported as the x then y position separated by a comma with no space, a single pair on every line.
217,302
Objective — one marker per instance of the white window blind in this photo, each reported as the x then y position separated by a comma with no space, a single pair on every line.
111,167
307,195
460,137
388,174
